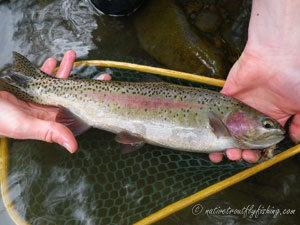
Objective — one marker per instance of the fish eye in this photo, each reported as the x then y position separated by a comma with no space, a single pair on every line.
268,124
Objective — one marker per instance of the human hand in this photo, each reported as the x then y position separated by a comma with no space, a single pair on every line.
26,120
269,83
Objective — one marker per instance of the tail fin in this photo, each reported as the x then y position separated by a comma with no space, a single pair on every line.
23,66
3,85
23,73
15,80
12,84
16,86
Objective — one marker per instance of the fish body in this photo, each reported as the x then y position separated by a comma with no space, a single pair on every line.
158,113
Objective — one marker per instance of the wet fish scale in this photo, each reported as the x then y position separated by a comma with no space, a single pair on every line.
146,97
179,117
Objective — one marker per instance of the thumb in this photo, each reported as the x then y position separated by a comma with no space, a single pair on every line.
231,84
295,129
50,131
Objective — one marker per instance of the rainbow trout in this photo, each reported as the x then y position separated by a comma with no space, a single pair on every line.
158,113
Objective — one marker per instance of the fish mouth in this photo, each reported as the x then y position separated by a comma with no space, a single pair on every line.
282,131
278,134
262,145
263,141
276,138
281,137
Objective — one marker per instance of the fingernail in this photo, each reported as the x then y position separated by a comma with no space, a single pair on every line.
101,77
234,154
215,157
68,147
104,76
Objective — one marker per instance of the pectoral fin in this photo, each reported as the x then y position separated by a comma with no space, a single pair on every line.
131,142
73,122
217,125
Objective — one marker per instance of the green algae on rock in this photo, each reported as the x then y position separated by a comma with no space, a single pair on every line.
164,32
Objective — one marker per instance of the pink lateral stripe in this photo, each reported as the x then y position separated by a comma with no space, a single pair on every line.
140,102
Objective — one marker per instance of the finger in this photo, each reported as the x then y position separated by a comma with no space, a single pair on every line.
295,129
49,66
251,156
234,154
104,76
216,157
66,65
52,132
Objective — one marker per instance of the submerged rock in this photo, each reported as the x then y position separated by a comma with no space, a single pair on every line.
207,21
165,33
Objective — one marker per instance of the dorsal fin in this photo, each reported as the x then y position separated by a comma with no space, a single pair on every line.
24,66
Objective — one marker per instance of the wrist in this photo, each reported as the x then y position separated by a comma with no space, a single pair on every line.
275,26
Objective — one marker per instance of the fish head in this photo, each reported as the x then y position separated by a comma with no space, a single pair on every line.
253,130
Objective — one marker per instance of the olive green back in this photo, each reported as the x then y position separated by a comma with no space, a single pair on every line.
98,184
